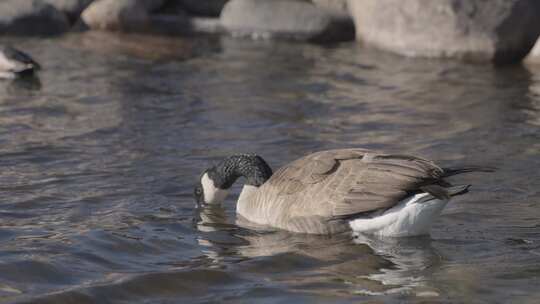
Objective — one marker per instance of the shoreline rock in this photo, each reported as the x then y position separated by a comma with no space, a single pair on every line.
285,19
31,18
534,55
116,15
502,31
72,8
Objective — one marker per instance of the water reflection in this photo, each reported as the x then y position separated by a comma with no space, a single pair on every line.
533,109
20,86
155,47
367,265
410,257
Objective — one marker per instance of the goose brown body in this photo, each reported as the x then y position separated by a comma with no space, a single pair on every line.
321,192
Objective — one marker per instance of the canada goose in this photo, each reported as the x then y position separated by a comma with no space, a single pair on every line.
334,191
15,63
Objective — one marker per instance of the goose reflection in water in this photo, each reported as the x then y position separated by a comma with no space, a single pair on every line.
355,264
22,85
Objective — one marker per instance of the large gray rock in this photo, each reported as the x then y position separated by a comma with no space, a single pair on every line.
31,17
72,8
481,30
286,19
116,15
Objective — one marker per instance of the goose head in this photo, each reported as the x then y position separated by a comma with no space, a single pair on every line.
214,183
209,189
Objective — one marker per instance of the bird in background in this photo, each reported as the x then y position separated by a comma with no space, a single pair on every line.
15,63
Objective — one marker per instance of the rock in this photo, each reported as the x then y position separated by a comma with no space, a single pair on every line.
337,5
501,31
207,25
153,5
117,15
31,17
205,8
183,24
211,8
285,19
534,54
72,8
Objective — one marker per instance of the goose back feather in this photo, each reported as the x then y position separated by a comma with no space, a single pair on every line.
321,192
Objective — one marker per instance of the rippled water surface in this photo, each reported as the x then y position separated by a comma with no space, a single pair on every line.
99,156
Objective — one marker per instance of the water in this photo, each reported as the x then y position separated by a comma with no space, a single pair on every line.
98,159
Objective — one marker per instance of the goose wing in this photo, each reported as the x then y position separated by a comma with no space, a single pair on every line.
337,184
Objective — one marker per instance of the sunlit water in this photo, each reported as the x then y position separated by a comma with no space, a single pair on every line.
99,156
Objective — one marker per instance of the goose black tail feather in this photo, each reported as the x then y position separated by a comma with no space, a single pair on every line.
451,171
445,193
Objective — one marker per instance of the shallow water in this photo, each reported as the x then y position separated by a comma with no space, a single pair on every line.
99,156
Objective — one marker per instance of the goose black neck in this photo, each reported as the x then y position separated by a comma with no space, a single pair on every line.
252,167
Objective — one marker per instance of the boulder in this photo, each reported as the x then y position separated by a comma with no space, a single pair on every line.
534,55
31,17
502,31
286,19
116,15
72,8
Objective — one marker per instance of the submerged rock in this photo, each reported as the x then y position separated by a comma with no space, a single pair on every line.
116,15
286,19
72,8
502,31
31,17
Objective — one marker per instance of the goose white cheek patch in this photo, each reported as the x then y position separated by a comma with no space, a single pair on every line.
212,194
